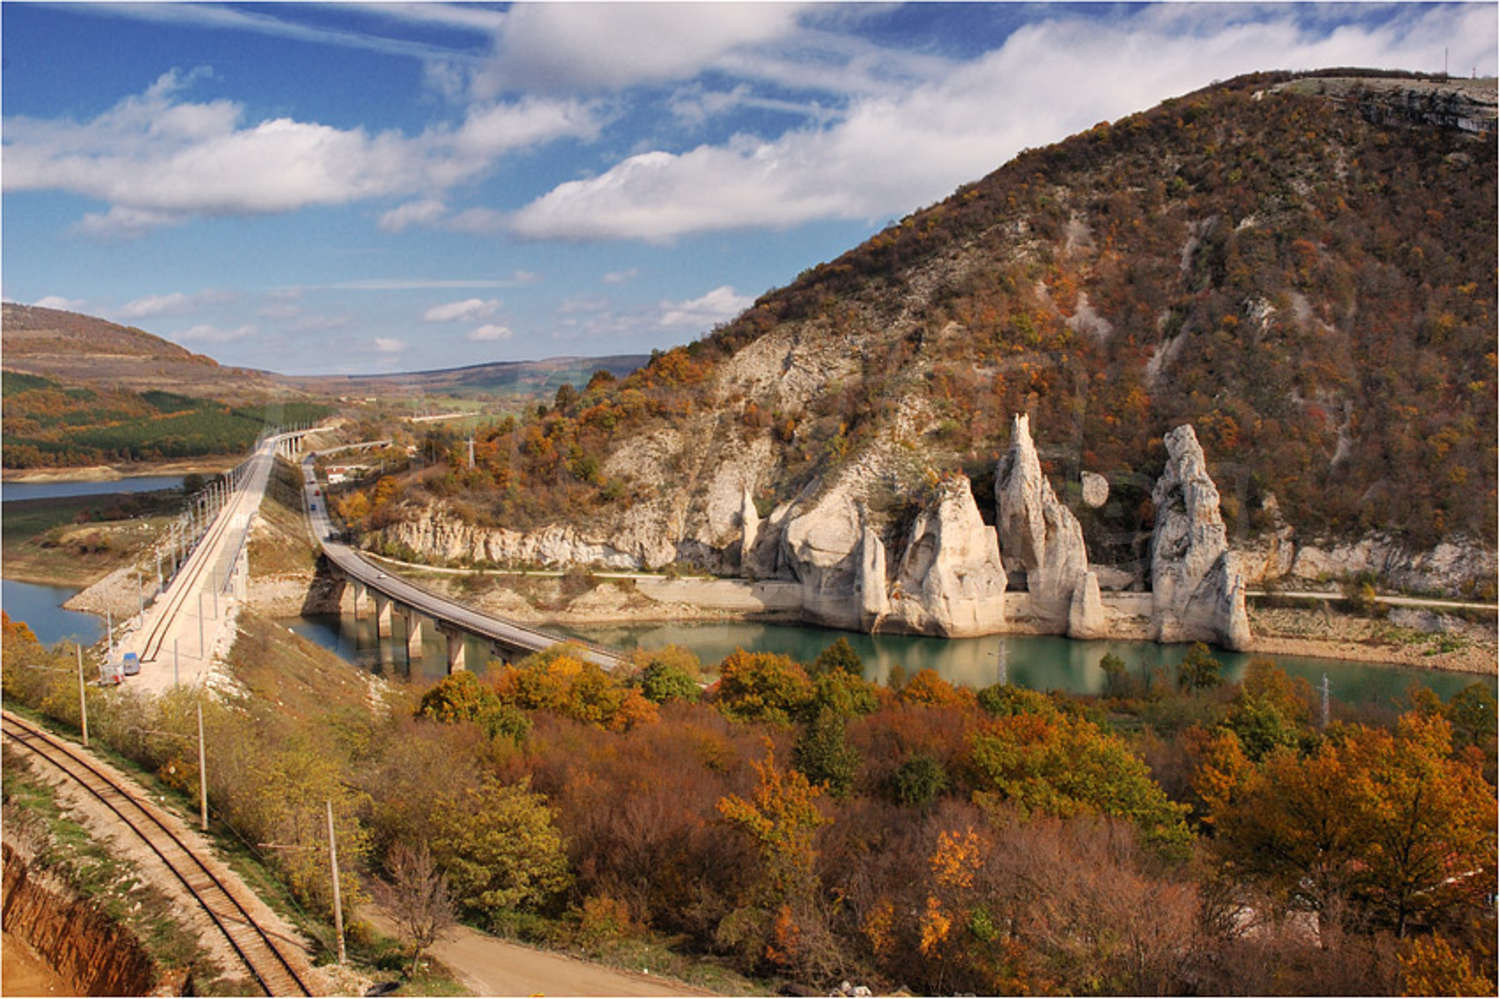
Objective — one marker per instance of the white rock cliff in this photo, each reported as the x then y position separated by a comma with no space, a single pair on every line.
1198,591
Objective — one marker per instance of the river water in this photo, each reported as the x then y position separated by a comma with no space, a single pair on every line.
1043,663
60,489
57,490
41,608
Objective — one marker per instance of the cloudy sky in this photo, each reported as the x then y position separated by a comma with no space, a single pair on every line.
370,187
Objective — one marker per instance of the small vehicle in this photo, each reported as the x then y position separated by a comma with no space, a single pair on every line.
313,507
132,664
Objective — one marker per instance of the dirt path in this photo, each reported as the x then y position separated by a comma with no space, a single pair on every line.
23,973
488,966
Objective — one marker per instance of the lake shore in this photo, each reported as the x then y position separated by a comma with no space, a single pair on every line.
113,473
1415,639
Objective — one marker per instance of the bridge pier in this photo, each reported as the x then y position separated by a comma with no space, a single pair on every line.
457,653
356,592
382,614
413,635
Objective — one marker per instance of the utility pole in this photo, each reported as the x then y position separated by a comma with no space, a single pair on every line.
338,907
471,452
200,624
202,771
83,704
109,633
1325,700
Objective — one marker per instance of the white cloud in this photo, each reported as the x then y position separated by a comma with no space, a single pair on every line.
58,302
320,324
420,284
213,334
467,310
155,158
609,46
389,345
423,212
718,305
621,277
491,331
893,152
174,304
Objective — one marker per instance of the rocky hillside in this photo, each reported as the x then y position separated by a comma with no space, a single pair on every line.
1301,269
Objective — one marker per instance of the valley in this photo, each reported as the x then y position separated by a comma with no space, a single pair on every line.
1124,523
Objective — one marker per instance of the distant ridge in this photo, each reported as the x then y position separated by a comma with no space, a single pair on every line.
74,347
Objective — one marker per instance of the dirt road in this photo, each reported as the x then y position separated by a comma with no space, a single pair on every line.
491,967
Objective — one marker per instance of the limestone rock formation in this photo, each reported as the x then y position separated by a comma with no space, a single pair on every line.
951,581
749,524
1038,534
821,545
1198,591
1086,616
1095,489
874,604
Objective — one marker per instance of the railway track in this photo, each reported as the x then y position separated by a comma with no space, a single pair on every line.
261,950
187,581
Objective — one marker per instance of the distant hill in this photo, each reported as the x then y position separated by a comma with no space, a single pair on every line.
1303,267
86,350
529,378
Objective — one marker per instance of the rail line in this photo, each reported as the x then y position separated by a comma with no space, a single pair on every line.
256,946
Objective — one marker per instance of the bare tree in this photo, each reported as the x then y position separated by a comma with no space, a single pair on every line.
417,897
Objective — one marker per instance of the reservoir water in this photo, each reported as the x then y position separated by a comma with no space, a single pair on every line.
1042,663
41,608
56,490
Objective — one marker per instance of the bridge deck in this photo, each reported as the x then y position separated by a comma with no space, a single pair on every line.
445,611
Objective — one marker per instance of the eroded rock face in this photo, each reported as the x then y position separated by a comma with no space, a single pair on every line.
820,544
1086,615
951,581
1198,591
874,603
1038,534
749,525
440,534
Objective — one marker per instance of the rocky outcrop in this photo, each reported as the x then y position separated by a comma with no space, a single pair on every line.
1198,591
1086,616
1038,534
749,525
820,545
951,581
1458,566
874,604
1095,489
441,535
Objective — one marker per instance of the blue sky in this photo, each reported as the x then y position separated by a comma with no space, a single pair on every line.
353,188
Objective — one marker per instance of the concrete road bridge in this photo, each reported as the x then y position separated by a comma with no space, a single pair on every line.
420,608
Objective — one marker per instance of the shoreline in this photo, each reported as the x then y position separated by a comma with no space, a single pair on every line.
114,473
638,598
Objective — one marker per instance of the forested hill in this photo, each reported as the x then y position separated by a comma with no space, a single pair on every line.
1304,268
77,348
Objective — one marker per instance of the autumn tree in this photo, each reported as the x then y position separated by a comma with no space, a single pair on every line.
778,923
762,686
499,847
417,897
1388,820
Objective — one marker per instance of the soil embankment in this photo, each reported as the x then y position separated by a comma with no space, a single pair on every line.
89,952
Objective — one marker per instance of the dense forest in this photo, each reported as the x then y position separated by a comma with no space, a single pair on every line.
1176,835
48,424
1310,283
